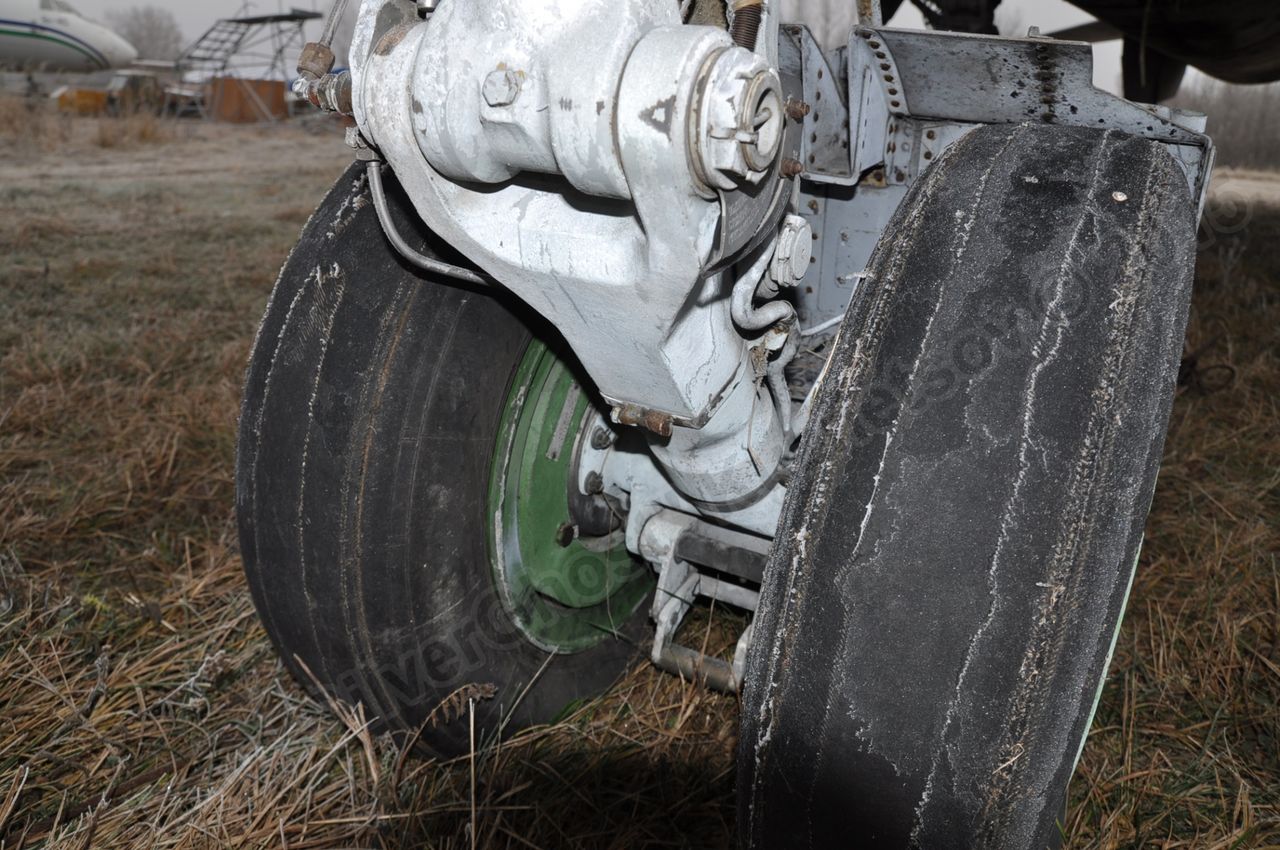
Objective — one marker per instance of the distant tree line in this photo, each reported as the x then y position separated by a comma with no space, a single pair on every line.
1244,121
154,31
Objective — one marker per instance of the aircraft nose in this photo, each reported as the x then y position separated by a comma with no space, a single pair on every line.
120,52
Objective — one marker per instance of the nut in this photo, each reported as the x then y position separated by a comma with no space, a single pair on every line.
316,61
741,120
501,87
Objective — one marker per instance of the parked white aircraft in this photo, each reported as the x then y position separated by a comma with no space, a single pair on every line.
50,35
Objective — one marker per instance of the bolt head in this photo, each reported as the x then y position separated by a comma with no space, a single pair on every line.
601,439
566,534
501,87
795,248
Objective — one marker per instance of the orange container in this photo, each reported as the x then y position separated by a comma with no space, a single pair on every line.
240,101
82,101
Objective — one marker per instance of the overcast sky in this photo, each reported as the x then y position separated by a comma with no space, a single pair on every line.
196,17
1049,15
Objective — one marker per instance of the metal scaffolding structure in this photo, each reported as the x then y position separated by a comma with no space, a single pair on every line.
257,45
238,53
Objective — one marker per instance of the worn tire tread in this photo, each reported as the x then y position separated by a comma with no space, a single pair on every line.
958,542
370,415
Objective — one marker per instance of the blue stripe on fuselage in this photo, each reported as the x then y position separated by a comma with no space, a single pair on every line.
95,52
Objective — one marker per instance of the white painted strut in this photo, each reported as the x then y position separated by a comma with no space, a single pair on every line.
579,151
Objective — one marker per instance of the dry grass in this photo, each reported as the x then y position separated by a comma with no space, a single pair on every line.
1185,751
35,124
142,705
28,124
140,128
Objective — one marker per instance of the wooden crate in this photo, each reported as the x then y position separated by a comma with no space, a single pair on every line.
239,101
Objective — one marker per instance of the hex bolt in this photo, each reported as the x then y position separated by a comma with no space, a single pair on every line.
594,483
601,439
316,61
795,249
797,110
792,168
501,87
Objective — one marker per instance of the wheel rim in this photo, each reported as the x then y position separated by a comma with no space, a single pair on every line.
565,594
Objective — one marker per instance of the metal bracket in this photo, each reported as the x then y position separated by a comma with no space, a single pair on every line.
824,138
911,95
674,540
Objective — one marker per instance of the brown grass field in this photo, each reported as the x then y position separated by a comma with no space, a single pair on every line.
142,706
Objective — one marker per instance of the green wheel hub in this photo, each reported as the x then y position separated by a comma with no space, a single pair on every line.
566,594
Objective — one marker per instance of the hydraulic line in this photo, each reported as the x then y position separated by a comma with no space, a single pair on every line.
778,387
751,318
741,307
336,12
823,326
429,264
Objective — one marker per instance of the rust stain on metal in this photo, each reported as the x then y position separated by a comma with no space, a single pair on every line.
651,420
1047,77
869,13
746,22
316,60
392,39
797,109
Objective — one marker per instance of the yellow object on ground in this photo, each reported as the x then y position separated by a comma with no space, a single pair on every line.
81,101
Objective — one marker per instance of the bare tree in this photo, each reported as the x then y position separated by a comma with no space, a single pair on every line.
152,30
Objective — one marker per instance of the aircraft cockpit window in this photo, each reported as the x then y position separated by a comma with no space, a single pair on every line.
58,6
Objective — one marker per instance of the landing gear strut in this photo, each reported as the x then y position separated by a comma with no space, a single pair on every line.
878,346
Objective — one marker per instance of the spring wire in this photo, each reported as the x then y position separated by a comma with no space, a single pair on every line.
746,23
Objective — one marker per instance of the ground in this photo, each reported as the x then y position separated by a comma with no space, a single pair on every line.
142,704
